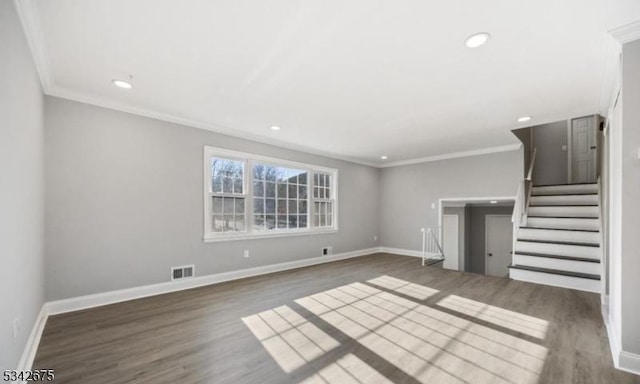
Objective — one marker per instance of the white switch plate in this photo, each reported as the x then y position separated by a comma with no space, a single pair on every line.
246,253
564,147
433,205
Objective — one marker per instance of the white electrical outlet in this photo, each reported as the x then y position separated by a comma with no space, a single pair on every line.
375,237
433,205
16,328
326,251
246,253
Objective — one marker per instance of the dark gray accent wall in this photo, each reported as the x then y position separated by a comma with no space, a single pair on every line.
124,202
524,135
21,191
551,166
476,216
630,251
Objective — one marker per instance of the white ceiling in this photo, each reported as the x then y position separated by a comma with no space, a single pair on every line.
356,79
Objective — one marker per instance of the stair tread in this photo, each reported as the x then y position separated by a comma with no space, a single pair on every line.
556,272
562,229
559,242
549,256
564,217
566,194
563,205
563,185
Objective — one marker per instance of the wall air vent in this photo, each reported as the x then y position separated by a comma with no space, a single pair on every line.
183,272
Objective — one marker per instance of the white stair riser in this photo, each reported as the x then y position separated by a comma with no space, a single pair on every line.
565,189
571,282
555,235
560,223
564,211
565,200
559,249
559,264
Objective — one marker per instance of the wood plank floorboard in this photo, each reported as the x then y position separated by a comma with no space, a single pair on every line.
330,324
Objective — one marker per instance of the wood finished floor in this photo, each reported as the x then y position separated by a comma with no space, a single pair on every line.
331,324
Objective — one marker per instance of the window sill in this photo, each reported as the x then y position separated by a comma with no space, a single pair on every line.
267,235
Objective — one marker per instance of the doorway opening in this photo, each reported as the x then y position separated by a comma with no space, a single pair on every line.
477,234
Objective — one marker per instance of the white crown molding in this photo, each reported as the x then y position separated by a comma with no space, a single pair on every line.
122,107
455,155
30,20
626,33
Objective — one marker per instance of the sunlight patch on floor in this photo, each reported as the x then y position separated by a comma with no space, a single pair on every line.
416,291
516,321
347,370
289,338
428,344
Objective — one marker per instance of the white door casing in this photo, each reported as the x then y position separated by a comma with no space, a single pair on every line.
450,234
498,244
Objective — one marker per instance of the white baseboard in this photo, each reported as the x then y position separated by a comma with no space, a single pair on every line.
100,299
622,360
112,297
30,349
400,251
629,362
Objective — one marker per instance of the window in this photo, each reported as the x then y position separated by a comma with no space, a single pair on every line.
323,202
227,196
250,196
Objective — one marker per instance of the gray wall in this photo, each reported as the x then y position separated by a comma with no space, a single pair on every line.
630,194
525,136
476,259
408,191
124,202
21,191
551,161
460,212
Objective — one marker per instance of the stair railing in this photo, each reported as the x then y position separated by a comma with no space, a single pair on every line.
523,196
431,249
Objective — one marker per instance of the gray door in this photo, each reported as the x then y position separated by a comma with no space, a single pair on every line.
499,235
583,150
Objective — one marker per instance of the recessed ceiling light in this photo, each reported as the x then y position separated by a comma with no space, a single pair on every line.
122,84
494,201
524,119
477,39
384,157
275,128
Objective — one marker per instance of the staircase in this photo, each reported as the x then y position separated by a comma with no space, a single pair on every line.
559,241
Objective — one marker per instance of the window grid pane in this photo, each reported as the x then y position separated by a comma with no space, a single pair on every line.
227,176
280,198
322,186
227,214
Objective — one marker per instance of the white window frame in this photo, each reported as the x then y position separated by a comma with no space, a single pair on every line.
249,160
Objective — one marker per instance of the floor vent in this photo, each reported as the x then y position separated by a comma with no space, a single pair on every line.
183,272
